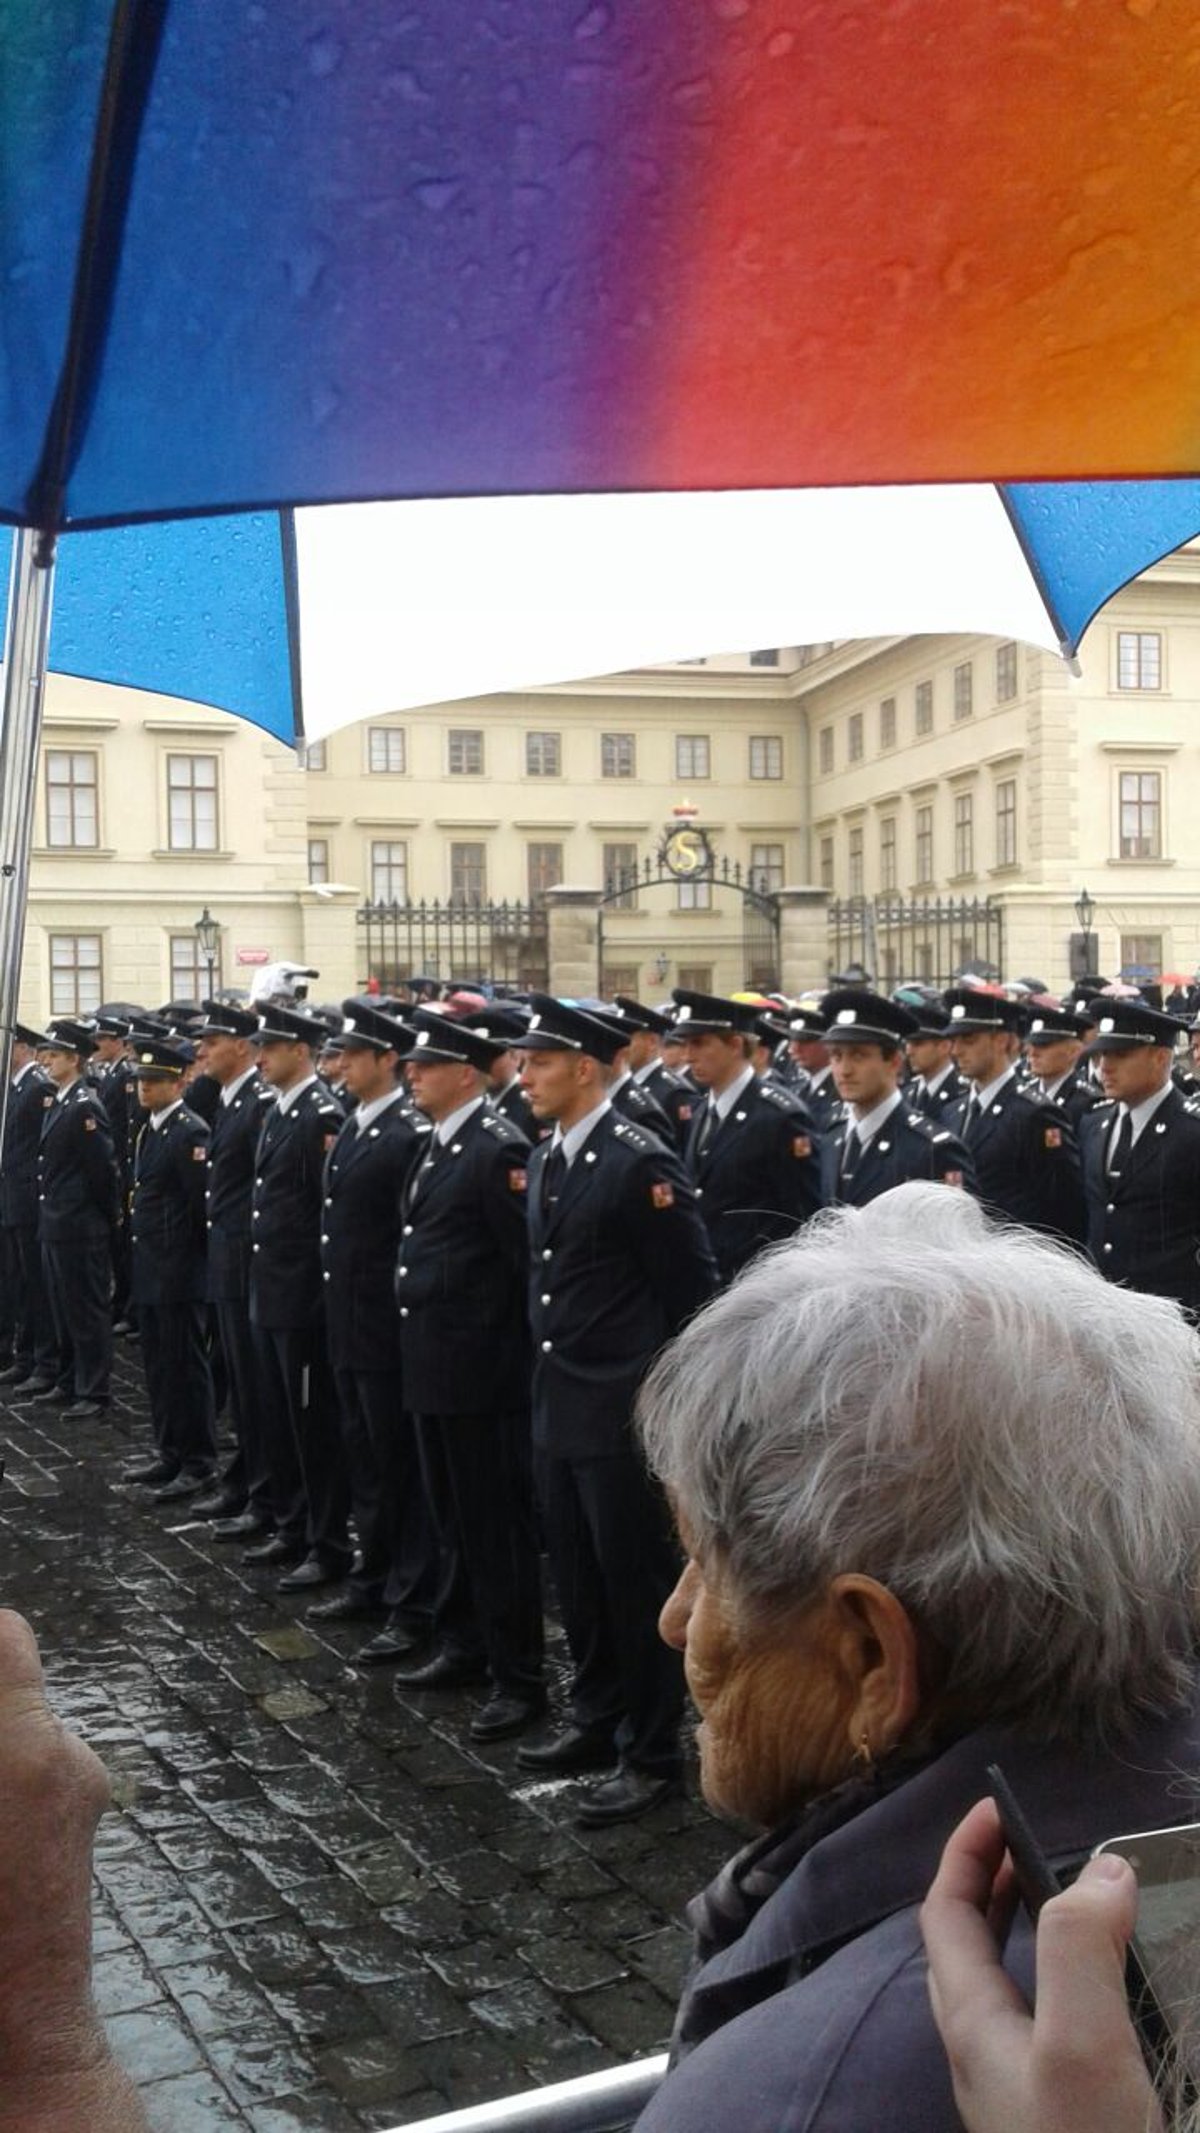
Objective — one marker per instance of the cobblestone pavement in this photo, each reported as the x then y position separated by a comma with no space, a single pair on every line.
317,1905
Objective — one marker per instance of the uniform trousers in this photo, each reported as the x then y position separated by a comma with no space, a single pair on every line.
33,1343
615,1560
245,1476
480,1485
8,1292
78,1278
122,1260
396,1537
309,1492
178,1385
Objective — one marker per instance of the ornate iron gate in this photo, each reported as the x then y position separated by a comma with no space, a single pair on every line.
501,944
934,939
744,942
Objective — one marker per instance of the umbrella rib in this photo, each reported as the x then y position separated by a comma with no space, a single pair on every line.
135,38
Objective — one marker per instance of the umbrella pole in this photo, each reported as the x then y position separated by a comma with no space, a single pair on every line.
27,639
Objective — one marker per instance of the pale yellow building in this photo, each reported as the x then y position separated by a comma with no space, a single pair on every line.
878,778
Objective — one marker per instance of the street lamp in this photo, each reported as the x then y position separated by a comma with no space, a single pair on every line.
208,934
1085,911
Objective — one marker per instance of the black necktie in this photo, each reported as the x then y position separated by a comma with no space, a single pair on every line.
708,1126
1121,1146
971,1120
553,1178
851,1151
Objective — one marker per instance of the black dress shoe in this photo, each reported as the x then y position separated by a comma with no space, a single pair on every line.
243,1527
389,1646
623,1797
348,1606
446,1670
313,1571
12,1373
181,1486
275,1550
219,1504
53,1395
502,1716
575,1748
151,1471
85,1410
29,1387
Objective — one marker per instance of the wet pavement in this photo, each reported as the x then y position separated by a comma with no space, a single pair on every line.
318,1905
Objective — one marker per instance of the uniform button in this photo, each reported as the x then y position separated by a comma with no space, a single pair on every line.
408,1229
256,1213
404,1310
1110,1209
699,1192
324,1237
402,1271
41,1196
208,1225
329,1203
1108,1247
546,1347
547,1254
328,1277
545,1299
256,1247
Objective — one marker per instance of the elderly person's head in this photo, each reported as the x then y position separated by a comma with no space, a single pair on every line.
929,1473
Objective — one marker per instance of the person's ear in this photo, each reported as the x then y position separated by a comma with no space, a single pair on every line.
879,1664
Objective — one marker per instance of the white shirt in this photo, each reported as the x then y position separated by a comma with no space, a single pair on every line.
21,1072
866,1128
644,1073
1142,1113
620,1081
724,1103
366,1114
931,1083
573,1139
290,1096
230,1089
444,1132
988,1094
158,1119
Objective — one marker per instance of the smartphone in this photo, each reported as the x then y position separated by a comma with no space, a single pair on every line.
1164,1966
1035,1877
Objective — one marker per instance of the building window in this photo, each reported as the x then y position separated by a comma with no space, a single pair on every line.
619,869
621,978
695,977
924,846
766,755
964,833
766,868
385,749
856,861
964,690
887,722
887,852
1139,659
1006,823
76,973
764,659
311,755
825,750
924,707
189,969
691,755
464,752
468,873
544,864
694,895
1141,814
318,859
192,803
72,811
618,755
826,862
1141,956
389,873
1006,673
854,738
543,755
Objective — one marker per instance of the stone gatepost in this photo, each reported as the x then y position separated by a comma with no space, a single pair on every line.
330,941
573,945
803,940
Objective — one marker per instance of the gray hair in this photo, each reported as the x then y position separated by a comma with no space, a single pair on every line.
970,1415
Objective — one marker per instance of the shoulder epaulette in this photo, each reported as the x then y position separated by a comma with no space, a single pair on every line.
1029,1090
634,1137
501,1128
774,1092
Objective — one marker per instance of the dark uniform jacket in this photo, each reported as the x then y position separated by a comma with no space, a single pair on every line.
907,1146
1144,1227
676,1097
461,1272
1026,1162
116,1088
945,1096
759,1177
822,1102
636,1103
515,1106
203,1096
22,1132
76,1169
285,1209
619,1264
166,1212
365,1178
1077,1096
231,1153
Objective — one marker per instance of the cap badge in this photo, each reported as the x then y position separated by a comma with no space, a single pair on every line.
683,1014
348,1025
1107,1026
1036,1028
845,1016
535,1022
958,1013
422,1036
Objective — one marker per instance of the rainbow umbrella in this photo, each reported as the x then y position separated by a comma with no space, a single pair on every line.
593,319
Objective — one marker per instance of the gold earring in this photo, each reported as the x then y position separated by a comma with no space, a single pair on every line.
863,1760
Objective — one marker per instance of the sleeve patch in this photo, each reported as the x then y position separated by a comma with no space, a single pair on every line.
330,1140
801,1145
199,1152
662,1194
685,1110
953,1177
1052,1138
89,1125
518,1181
